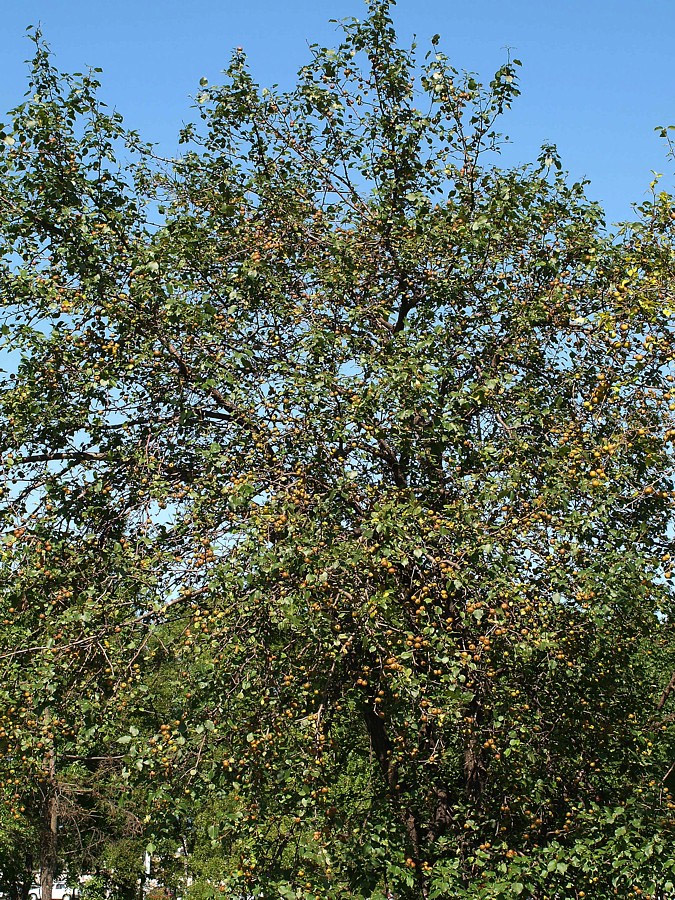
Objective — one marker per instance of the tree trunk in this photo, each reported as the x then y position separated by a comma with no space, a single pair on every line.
26,885
382,748
50,822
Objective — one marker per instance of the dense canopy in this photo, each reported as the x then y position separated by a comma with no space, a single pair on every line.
337,497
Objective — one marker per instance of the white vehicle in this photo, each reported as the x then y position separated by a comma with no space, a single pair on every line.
60,891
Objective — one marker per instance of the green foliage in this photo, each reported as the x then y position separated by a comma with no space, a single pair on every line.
337,494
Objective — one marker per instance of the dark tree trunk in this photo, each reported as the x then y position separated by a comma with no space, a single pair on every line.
50,823
382,748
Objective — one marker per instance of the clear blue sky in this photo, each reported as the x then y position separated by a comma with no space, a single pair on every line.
598,75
